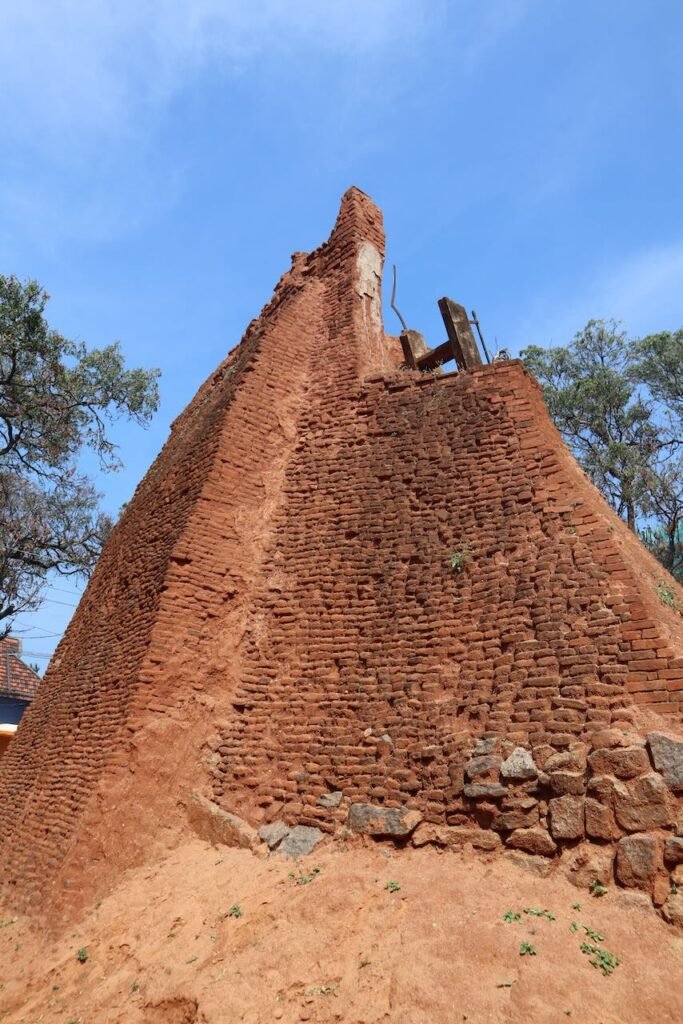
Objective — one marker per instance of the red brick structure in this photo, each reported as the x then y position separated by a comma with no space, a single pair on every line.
346,583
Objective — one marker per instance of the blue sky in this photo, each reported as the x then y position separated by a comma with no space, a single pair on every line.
162,159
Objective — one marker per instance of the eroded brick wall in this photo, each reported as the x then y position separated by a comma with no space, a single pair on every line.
342,578
372,660
100,771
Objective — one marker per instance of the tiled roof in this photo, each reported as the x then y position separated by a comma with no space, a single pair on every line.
16,679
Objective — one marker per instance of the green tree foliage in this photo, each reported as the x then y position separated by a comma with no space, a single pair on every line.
618,404
57,398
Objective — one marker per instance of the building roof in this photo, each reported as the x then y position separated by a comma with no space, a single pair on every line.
16,678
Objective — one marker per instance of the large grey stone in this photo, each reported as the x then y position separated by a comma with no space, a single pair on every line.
219,827
637,861
643,804
482,765
519,765
566,817
484,791
392,822
300,841
667,754
274,833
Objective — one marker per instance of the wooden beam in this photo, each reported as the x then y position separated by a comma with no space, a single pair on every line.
435,357
456,321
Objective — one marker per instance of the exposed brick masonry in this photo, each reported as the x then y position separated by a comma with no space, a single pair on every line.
340,576
362,624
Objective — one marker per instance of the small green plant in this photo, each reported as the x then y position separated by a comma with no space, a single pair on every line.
364,963
8,922
595,936
192,959
533,912
460,558
235,911
82,954
602,959
576,906
526,949
674,889
392,886
304,879
135,987
573,927
511,917
596,888
666,594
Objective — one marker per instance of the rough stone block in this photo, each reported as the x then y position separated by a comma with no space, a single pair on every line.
273,833
485,765
519,765
566,817
483,791
672,909
442,835
643,804
564,783
390,822
606,738
637,861
219,827
624,762
507,821
673,850
588,863
667,755
536,840
600,820
300,841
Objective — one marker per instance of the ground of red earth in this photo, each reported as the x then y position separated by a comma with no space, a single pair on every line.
346,934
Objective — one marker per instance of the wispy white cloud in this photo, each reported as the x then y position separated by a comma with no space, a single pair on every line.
86,87
70,67
644,290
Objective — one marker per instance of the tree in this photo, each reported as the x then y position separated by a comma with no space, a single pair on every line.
618,404
56,399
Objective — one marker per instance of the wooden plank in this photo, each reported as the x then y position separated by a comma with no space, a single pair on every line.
435,357
465,350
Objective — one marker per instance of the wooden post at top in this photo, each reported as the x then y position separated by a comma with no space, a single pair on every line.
456,321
